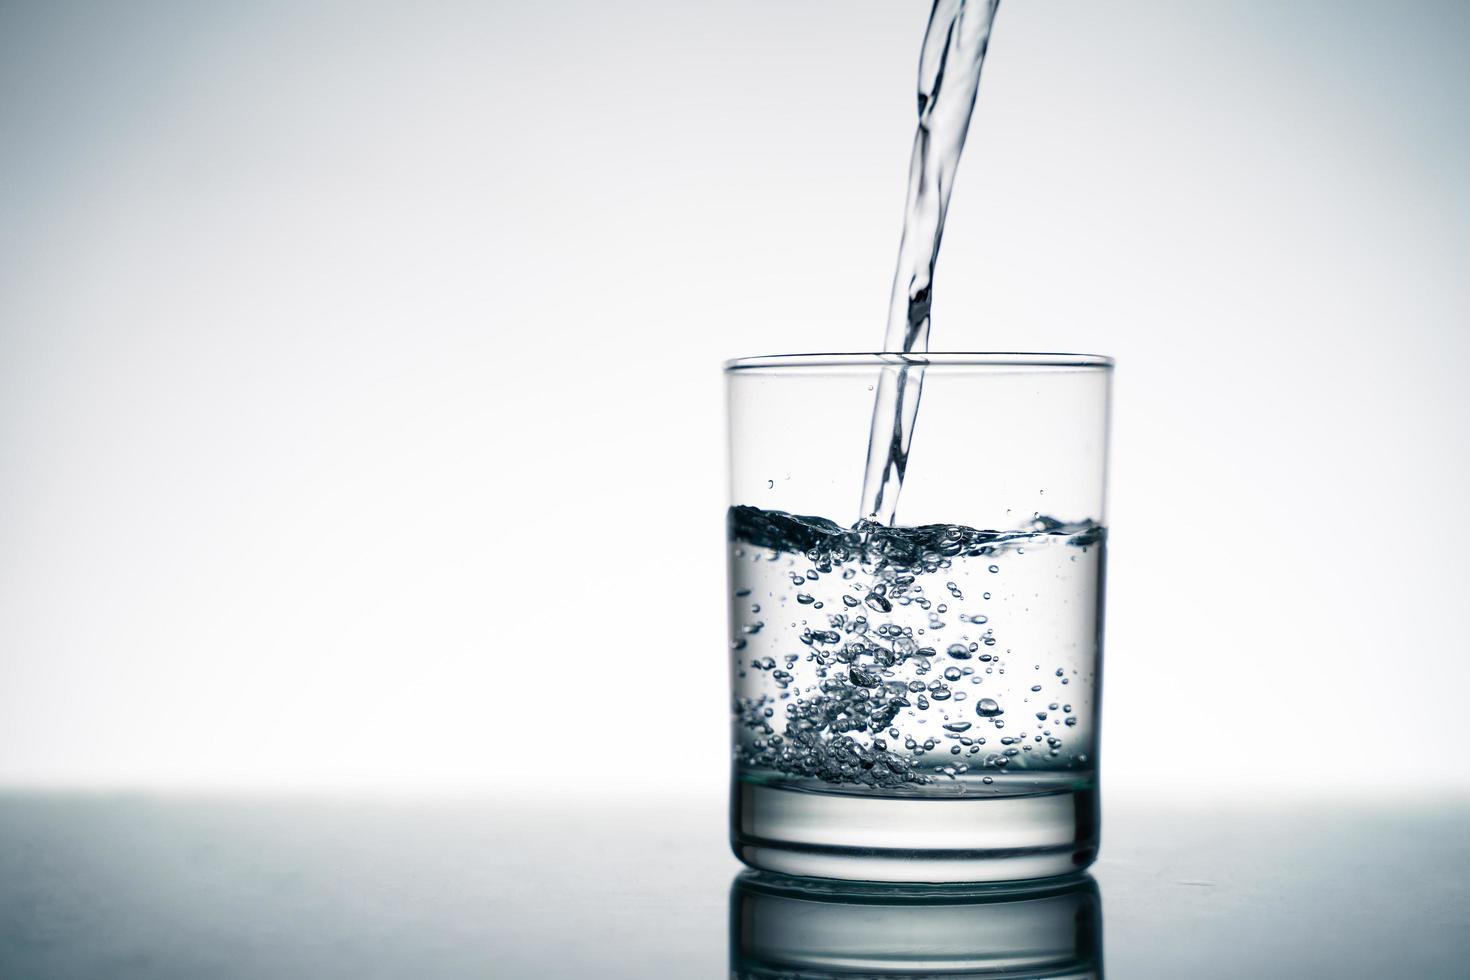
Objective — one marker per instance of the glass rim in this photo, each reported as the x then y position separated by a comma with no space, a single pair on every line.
926,359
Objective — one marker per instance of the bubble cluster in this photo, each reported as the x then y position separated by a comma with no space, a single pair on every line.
857,675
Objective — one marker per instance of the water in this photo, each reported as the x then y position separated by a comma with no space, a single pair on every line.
934,661
949,78
877,667
916,703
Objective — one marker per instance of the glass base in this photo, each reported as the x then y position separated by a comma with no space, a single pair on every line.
914,839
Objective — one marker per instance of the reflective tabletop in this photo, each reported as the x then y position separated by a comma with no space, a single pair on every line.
176,886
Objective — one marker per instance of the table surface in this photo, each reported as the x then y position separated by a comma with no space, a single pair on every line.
161,886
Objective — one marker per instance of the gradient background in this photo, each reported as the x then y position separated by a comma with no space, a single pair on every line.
354,356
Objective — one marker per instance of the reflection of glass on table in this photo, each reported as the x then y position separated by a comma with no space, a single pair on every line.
783,927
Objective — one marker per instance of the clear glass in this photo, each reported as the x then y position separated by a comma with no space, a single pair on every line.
918,702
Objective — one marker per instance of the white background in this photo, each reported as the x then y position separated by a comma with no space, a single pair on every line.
355,359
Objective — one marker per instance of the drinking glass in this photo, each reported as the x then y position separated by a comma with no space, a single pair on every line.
917,701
